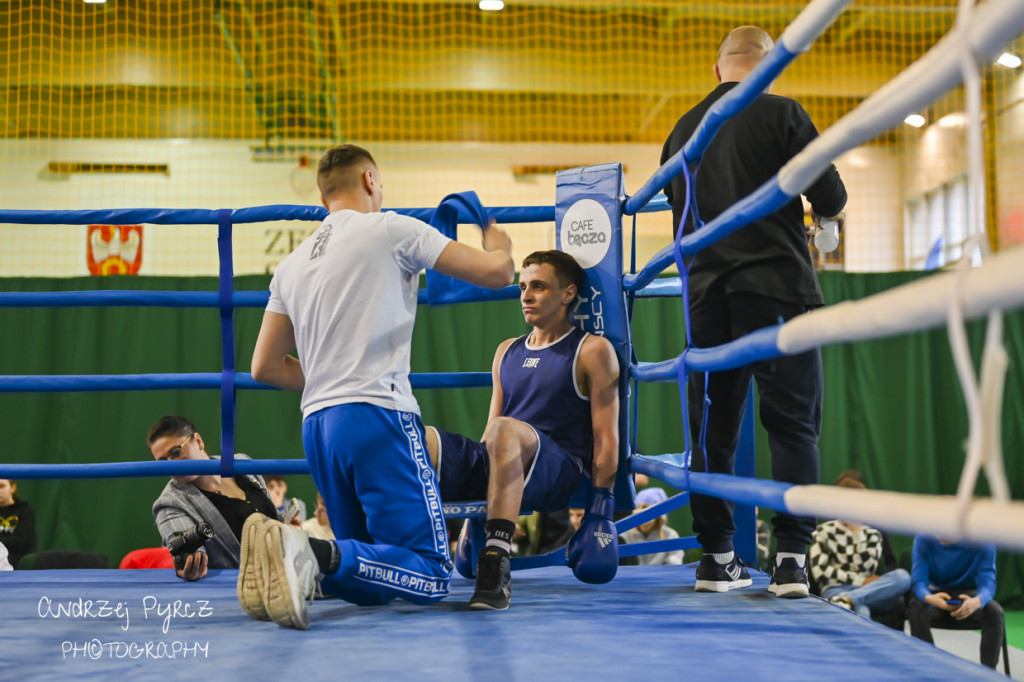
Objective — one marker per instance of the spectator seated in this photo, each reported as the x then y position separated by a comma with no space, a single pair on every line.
62,558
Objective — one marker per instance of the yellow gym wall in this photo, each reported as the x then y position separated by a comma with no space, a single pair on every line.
218,100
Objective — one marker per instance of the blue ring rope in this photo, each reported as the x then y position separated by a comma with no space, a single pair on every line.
253,214
131,297
749,491
239,299
638,518
153,468
72,383
630,301
682,373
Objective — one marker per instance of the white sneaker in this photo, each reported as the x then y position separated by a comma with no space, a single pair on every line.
289,571
250,576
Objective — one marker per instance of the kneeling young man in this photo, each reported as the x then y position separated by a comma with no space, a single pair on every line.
553,420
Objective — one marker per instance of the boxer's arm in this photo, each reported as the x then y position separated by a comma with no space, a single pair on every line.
601,377
272,363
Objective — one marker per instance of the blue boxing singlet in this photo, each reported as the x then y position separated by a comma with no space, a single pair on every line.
538,387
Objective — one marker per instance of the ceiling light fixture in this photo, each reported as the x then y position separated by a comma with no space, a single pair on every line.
957,119
916,120
1009,60
491,5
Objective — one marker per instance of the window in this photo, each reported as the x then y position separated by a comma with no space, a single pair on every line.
937,227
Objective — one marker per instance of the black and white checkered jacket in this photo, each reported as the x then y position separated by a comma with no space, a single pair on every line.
841,557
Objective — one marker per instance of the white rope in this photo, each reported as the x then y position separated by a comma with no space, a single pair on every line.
957,333
992,521
920,305
809,24
994,363
984,401
971,74
991,26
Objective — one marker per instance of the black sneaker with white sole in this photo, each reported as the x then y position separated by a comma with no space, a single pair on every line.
493,581
789,580
715,577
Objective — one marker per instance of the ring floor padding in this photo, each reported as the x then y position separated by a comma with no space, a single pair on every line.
648,624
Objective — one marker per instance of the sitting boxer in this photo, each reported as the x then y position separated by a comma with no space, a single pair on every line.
553,419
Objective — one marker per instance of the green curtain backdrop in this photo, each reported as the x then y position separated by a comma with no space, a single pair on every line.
893,408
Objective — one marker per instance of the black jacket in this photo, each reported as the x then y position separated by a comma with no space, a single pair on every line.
770,256
18,530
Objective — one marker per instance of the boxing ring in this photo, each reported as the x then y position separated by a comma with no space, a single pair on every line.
647,622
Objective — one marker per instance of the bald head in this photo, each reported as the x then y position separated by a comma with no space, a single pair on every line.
741,51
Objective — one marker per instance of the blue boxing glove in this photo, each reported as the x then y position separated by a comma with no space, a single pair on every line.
593,550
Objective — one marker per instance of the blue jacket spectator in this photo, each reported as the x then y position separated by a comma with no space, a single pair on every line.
953,584
949,567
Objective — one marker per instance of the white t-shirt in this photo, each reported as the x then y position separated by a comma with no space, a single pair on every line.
350,291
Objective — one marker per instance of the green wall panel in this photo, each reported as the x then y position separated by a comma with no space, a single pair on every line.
893,407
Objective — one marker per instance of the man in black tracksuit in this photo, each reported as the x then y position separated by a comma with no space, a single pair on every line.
759,276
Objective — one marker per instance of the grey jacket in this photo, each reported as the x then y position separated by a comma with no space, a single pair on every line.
181,506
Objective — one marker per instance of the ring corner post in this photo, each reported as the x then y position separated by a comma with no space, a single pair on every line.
588,226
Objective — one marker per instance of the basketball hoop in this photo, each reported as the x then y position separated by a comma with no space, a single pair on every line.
303,178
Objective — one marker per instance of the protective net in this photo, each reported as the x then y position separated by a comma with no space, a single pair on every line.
223,103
